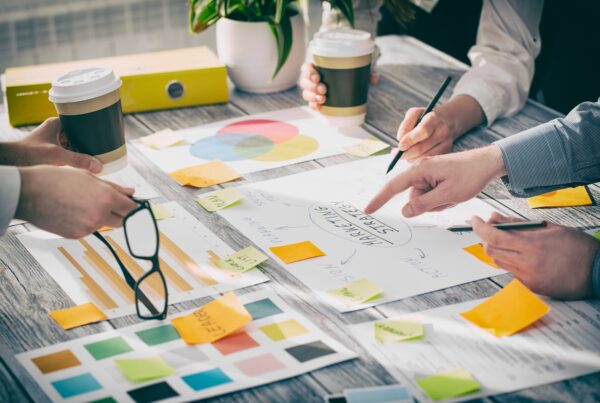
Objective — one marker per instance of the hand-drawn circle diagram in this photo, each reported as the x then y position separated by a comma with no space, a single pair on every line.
344,220
255,139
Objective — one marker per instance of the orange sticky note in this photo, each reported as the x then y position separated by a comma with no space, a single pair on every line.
569,197
297,251
508,311
78,316
213,321
478,251
205,175
104,229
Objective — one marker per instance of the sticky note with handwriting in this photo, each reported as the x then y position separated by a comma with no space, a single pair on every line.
79,315
162,139
448,384
569,197
220,199
213,321
145,369
388,331
243,260
478,252
296,252
357,292
510,310
205,175
366,147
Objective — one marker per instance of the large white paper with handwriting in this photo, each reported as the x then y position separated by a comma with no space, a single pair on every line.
405,257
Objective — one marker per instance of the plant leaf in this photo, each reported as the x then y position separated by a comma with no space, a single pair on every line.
346,8
203,14
283,37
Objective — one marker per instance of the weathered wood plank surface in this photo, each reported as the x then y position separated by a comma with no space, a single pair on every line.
28,292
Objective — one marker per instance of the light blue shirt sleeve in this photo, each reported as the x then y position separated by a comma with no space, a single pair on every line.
10,191
561,153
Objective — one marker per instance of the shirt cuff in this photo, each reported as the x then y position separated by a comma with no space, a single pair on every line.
486,97
10,191
596,275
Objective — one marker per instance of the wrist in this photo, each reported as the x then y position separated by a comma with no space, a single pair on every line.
461,114
26,202
491,159
10,153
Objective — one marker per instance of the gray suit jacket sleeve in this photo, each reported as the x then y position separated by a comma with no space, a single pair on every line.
561,153
10,190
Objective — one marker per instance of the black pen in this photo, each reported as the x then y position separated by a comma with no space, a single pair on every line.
429,108
504,226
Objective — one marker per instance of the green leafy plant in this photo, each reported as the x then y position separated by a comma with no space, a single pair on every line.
277,13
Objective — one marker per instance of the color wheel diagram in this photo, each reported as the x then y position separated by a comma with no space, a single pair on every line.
258,140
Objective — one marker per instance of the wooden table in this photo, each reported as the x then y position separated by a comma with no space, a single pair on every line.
27,292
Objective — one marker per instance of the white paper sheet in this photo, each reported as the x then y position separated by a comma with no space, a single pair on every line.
292,136
562,345
404,256
189,360
130,177
183,229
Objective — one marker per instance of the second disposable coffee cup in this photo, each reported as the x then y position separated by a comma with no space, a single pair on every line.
342,57
89,106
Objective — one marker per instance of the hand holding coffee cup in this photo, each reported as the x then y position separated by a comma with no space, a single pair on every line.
337,82
89,107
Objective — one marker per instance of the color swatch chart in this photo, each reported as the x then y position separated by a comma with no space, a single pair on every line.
256,142
279,343
87,271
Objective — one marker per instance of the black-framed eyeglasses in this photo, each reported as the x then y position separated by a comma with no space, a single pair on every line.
142,238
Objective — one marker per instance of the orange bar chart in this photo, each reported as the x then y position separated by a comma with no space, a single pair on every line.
186,261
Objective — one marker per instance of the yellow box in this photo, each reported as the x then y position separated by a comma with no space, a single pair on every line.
157,80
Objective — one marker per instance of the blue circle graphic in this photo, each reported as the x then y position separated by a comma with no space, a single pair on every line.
231,147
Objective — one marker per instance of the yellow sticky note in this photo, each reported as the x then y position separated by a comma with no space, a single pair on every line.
570,197
146,369
213,321
162,139
366,147
161,212
79,315
243,260
220,199
284,330
357,292
205,175
511,309
477,251
297,251
388,331
448,384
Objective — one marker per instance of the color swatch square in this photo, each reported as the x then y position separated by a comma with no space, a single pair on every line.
183,356
262,308
206,379
76,385
260,365
153,393
234,343
158,335
310,351
108,399
378,394
108,348
283,330
56,361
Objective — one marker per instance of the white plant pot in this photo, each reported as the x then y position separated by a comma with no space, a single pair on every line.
250,53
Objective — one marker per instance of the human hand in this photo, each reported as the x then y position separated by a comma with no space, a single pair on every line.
436,132
71,202
440,182
47,144
313,90
555,261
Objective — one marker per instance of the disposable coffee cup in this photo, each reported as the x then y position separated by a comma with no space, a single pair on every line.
89,106
342,57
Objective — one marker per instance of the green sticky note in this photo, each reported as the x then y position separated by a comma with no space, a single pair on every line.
145,369
220,199
357,292
158,335
398,330
161,212
457,382
243,260
108,348
597,235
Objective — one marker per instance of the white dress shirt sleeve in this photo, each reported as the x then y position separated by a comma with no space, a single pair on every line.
10,191
502,60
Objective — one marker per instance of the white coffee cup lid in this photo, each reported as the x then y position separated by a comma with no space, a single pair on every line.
342,42
84,84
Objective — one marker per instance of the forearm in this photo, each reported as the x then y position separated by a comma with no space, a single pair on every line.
461,114
10,190
8,153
